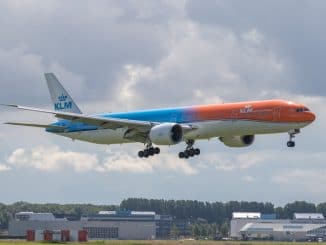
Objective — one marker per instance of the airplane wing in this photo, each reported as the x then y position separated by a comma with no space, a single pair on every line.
103,122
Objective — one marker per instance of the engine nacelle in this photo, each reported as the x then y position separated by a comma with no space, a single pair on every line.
166,134
238,141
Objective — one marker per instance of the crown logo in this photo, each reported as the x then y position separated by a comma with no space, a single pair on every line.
62,97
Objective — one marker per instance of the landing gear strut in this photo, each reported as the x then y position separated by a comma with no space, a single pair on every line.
149,151
292,134
190,151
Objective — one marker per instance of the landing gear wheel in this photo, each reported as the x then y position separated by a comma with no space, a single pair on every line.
181,155
290,144
292,134
197,151
146,153
191,152
141,154
157,150
151,151
186,154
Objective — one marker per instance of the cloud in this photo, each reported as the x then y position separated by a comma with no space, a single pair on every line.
30,77
51,159
248,178
305,179
228,162
4,168
226,61
126,55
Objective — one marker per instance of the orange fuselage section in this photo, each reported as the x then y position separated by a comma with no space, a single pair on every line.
268,111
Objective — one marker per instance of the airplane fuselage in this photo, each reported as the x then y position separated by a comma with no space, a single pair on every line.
218,120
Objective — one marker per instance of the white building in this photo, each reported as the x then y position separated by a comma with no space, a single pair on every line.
304,226
307,216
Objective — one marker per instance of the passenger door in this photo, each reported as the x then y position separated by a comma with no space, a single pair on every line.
276,114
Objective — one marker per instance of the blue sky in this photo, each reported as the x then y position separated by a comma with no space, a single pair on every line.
127,55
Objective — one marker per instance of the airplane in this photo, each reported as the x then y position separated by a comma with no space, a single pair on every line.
234,124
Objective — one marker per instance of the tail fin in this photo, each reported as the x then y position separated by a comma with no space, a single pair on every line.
60,97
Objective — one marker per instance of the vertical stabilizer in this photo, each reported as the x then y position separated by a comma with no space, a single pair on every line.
60,97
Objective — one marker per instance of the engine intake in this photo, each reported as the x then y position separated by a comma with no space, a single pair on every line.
238,141
166,134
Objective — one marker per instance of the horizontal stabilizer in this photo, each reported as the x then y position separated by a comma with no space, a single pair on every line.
36,125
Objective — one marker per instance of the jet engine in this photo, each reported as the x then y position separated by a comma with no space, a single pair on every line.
238,141
166,134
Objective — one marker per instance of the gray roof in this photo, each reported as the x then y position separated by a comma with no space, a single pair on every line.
308,216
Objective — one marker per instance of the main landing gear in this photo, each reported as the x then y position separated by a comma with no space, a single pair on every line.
292,134
190,151
149,151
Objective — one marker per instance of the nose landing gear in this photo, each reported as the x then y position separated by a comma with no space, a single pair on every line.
292,134
189,151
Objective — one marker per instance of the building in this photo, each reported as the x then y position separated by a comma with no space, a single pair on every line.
279,231
105,225
163,226
240,219
308,216
303,226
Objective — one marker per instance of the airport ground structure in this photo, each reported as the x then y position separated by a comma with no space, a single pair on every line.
106,225
303,227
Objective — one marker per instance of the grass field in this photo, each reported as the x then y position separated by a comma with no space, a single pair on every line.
163,242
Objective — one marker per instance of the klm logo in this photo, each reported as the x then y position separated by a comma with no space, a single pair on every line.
62,103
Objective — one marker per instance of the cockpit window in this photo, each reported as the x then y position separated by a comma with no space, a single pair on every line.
302,109
299,109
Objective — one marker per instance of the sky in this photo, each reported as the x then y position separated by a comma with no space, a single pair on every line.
117,56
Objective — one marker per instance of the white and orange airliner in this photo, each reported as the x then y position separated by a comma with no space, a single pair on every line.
235,124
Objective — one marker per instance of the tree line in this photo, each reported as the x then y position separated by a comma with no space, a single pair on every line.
218,212
192,210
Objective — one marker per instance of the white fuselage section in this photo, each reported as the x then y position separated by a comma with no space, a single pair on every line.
204,130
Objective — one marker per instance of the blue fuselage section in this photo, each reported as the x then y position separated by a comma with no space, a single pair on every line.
177,115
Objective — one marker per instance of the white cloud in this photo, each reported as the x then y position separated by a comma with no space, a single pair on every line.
123,162
249,159
4,168
253,36
311,180
227,162
53,159
248,178
203,64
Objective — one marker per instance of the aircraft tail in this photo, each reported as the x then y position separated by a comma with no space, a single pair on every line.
62,101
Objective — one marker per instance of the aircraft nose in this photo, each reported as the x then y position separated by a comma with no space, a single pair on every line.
311,116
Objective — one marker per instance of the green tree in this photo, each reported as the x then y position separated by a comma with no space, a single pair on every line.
195,231
174,232
224,229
